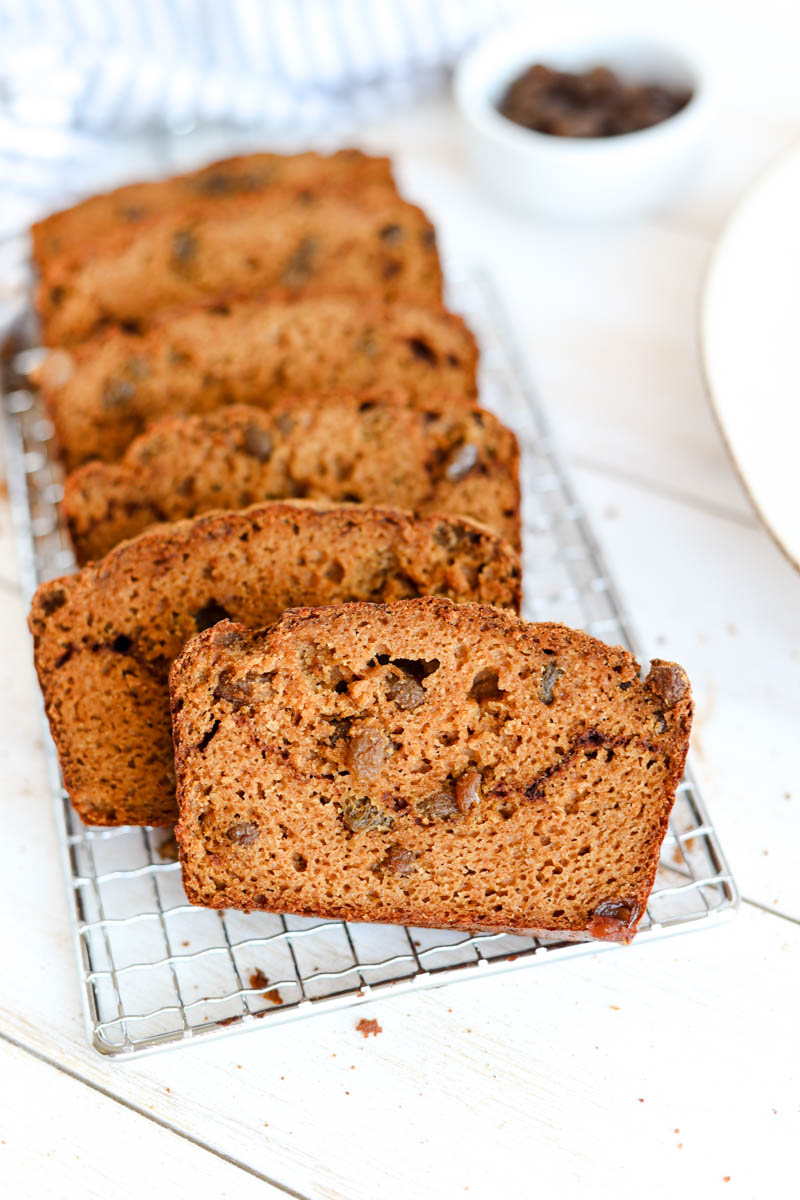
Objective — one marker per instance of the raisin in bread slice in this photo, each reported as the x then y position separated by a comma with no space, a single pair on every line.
451,458
104,638
98,216
106,391
370,241
425,763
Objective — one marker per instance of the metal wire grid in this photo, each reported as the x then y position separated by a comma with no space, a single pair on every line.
155,969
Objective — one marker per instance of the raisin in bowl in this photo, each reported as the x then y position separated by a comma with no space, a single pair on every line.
581,168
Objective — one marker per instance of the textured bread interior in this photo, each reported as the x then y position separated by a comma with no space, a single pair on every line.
425,763
450,457
104,392
104,639
102,215
368,241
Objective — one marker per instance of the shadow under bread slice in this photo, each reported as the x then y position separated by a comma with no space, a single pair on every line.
425,763
445,457
106,391
104,639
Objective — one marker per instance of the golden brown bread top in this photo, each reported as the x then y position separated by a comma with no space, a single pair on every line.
125,207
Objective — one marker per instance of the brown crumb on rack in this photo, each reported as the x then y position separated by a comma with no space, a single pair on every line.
367,1027
614,1007
726,1178
184,943
169,849
259,980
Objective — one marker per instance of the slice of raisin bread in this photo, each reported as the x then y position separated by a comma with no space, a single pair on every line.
368,241
106,391
104,638
425,763
448,458
248,174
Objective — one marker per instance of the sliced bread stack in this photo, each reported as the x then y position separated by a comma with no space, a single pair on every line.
266,409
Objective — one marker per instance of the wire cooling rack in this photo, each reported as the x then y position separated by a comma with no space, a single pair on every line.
156,970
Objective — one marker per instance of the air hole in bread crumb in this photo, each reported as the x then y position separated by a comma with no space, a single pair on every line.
485,686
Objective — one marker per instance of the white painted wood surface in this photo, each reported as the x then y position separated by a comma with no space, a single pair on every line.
668,1069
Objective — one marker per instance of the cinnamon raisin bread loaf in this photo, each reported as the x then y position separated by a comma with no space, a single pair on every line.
428,764
367,241
104,392
104,638
447,458
249,174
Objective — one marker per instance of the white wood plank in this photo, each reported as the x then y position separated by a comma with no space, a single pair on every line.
59,1137
578,1075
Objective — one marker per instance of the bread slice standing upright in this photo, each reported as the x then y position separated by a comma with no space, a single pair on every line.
425,763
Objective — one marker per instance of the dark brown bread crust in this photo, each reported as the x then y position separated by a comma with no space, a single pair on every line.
427,764
364,240
249,174
446,458
106,391
104,638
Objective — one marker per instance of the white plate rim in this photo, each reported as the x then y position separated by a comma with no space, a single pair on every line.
782,521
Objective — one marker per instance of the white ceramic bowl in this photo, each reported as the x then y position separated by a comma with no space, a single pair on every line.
578,178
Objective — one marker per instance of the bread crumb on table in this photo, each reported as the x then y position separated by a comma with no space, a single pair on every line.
367,1027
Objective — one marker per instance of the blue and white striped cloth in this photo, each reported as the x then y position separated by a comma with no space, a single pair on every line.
92,90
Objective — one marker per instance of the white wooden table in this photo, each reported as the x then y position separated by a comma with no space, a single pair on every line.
664,1069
